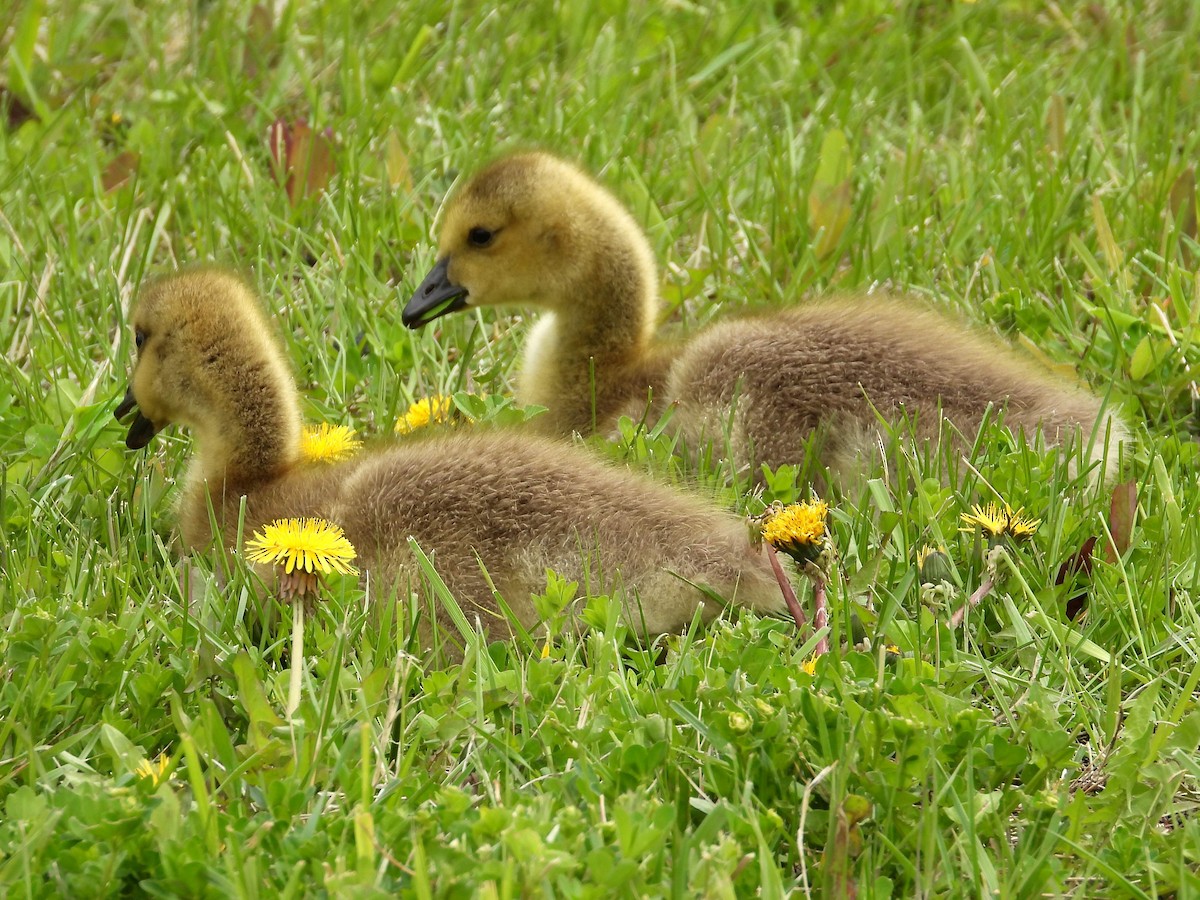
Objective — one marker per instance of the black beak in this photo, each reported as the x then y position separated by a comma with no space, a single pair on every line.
142,429
434,298
128,404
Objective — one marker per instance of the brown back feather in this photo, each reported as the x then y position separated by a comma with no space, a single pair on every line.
836,363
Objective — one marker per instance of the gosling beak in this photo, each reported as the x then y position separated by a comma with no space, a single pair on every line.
435,297
142,428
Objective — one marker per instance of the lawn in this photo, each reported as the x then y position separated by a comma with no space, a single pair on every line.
1027,166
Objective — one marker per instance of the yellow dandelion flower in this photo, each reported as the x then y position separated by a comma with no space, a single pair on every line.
328,443
426,411
1021,528
995,521
809,666
798,530
153,771
313,546
989,519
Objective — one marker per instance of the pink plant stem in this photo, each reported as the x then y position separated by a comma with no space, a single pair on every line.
974,600
789,595
820,614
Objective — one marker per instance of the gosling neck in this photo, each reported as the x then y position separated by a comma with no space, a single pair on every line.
582,361
611,319
256,437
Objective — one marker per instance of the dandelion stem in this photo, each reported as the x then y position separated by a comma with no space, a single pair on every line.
820,613
974,600
789,595
297,657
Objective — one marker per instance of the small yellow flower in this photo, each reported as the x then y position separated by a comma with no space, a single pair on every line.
809,666
424,412
328,443
798,530
153,771
546,650
990,519
995,522
1021,528
309,545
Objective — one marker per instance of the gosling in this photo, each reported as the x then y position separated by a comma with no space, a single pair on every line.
511,504
534,230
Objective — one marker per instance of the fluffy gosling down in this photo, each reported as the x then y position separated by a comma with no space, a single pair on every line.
209,359
534,230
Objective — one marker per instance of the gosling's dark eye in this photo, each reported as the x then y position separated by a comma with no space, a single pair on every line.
139,338
480,237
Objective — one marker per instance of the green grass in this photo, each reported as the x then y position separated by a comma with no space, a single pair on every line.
1028,166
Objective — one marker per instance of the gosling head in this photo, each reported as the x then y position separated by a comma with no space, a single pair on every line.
205,356
533,230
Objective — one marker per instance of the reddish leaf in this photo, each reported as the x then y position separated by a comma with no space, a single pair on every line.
303,157
1077,606
1120,519
16,113
120,170
847,844
1079,563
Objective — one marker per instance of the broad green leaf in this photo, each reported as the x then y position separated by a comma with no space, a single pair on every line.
263,718
1142,361
829,200
121,749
